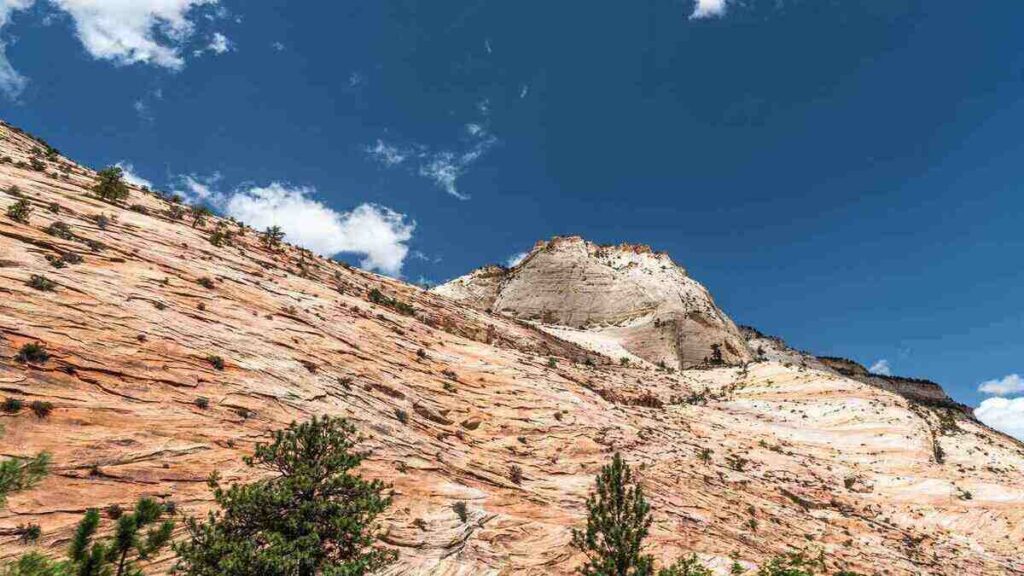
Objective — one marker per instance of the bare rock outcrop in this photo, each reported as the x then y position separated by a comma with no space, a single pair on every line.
743,462
624,301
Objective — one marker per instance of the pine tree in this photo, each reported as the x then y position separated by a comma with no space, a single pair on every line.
120,556
272,237
618,520
312,516
110,184
16,474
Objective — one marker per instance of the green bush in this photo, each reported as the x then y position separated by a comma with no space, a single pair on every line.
11,405
60,230
32,353
42,283
20,211
110,185
216,361
41,409
274,526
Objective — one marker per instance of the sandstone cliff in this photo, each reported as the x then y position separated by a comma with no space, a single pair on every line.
620,300
740,462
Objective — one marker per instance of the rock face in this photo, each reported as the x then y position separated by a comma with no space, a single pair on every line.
609,298
745,462
921,391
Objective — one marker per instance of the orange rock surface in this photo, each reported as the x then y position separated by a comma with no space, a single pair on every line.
797,456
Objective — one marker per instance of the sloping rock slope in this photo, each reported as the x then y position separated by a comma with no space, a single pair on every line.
626,298
740,462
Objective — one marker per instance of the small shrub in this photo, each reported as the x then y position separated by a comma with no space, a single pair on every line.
199,214
624,361
402,415
32,353
206,282
460,510
29,533
60,230
421,354
11,405
37,164
377,297
176,212
737,463
552,362
114,511
515,474
14,190
41,283
704,455
216,361
71,258
220,237
202,402
41,408
54,208
20,211
449,387
102,221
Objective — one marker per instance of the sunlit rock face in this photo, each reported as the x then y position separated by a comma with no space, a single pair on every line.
624,299
744,462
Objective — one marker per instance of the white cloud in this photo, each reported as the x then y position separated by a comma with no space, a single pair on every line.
379,233
387,154
121,31
11,82
1009,384
515,259
881,367
133,31
708,9
1003,414
219,44
278,46
131,177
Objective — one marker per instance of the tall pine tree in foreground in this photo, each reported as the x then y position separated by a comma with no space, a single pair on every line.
310,517
618,520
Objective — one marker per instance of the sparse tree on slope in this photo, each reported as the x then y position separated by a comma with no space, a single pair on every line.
110,184
618,520
311,517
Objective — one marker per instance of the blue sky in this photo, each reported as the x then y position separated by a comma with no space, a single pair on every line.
843,174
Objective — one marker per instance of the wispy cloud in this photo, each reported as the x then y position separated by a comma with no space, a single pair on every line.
277,46
1009,384
219,44
443,167
881,367
708,9
387,154
1003,414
